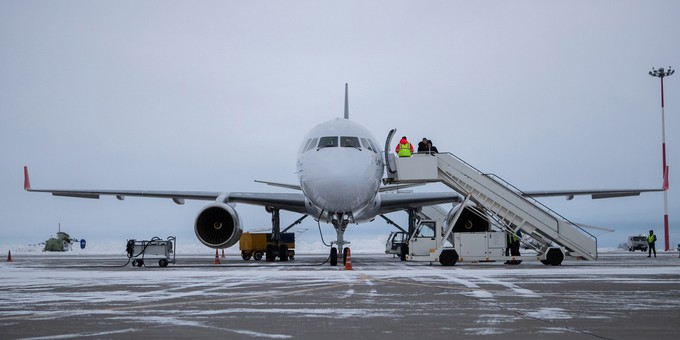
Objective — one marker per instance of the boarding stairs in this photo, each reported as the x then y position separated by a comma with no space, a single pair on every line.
503,202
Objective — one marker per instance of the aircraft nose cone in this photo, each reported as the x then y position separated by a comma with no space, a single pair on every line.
340,186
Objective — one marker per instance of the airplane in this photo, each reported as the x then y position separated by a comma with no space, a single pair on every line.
340,170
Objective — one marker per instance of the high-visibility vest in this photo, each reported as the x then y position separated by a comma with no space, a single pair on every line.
651,238
513,238
404,150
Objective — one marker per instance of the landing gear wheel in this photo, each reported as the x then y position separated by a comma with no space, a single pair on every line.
554,257
334,256
283,252
344,255
257,255
269,254
403,251
448,257
163,263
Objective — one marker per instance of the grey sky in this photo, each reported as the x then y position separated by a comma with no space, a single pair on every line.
213,95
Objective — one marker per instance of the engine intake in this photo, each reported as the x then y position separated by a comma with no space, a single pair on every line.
218,226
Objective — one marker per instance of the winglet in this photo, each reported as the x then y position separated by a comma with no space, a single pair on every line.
665,179
27,181
346,102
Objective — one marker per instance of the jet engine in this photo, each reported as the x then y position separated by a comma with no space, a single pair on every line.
218,226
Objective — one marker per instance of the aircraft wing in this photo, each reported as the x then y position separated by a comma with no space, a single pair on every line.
293,202
598,194
401,201
595,194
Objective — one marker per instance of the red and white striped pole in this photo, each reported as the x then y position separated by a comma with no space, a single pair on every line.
661,73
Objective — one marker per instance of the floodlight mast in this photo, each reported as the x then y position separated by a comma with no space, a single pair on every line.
661,73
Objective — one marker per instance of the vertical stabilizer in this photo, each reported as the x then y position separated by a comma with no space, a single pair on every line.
346,102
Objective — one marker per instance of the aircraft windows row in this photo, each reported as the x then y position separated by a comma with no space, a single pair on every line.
343,141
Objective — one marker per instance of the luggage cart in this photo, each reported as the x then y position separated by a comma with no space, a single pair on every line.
155,248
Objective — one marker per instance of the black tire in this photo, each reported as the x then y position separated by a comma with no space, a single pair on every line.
140,263
134,263
291,254
334,256
403,251
162,263
283,252
245,255
257,255
554,256
270,256
545,262
448,257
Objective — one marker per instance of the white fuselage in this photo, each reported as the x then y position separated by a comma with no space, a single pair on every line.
340,169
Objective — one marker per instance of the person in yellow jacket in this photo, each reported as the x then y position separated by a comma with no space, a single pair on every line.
651,240
404,149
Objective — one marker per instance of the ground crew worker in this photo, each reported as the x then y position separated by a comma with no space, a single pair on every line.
404,149
651,239
513,247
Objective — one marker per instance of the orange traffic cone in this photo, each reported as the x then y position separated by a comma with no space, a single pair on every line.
217,257
222,252
9,256
348,261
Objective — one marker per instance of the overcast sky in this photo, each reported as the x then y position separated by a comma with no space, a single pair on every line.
211,95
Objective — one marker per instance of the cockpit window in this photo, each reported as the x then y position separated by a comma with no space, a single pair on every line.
304,148
375,149
311,144
366,144
350,142
327,142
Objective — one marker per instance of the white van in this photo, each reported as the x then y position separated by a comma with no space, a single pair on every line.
637,242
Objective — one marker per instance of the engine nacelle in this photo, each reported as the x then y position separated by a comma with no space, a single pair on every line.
218,226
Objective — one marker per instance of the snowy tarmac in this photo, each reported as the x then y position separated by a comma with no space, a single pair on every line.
620,296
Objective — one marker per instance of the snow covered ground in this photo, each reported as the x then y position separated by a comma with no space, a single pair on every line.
89,288
623,295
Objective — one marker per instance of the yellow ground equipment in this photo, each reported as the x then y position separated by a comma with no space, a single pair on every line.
256,245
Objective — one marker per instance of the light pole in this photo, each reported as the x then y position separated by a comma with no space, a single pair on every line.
661,73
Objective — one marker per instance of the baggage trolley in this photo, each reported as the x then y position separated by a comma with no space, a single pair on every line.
154,248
